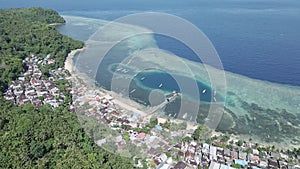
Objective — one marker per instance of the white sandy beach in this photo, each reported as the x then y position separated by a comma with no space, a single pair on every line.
69,59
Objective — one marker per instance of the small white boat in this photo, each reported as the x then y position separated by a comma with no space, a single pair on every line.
215,100
215,93
203,91
160,85
142,78
184,116
132,91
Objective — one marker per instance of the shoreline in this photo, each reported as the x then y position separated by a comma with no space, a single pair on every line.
68,65
130,105
119,100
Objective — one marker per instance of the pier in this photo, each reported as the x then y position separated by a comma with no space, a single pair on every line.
161,105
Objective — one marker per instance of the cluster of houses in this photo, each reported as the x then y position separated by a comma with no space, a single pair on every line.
101,106
33,87
213,157
160,148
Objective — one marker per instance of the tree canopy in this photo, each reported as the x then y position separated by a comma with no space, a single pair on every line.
49,138
28,31
201,133
43,137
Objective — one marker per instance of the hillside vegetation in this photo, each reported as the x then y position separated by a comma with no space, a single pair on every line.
44,137
26,31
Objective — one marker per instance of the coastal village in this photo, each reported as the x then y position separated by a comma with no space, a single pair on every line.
168,149
156,142
34,88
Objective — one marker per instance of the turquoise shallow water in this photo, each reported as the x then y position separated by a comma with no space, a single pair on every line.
258,109
153,80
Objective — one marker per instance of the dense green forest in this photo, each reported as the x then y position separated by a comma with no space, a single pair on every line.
48,138
28,31
44,137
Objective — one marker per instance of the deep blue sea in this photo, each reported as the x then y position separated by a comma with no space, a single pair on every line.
256,38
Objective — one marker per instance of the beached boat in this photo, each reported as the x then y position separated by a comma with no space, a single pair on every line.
132,90
184,116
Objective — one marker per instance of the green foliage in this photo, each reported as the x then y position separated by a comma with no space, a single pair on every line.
186,139
203,168
296,151
49,139
239,143
153,121
126,137
168,154
146,129
225,138
236,166
144,163
43,138
34,14
167,124
37,150
202,132
42,97
152,164
176,127
27,31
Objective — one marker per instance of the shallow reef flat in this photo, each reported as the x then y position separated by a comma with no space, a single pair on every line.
256,109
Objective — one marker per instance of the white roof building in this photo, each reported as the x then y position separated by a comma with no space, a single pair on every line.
213,153
214,165
255,152
163,157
